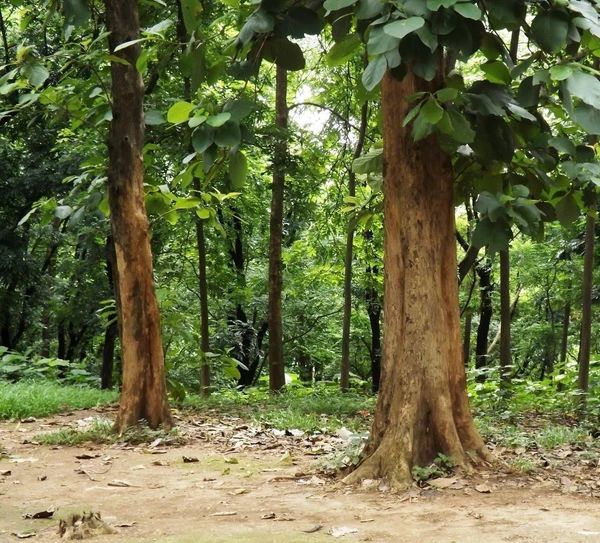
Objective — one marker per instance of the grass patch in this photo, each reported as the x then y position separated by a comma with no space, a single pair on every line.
40,399
303,409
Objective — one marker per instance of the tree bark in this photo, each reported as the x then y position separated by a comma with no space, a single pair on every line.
143,393
345,368
204,332
276,363
505,358
467,340
586,310
485,318
422,409
564,342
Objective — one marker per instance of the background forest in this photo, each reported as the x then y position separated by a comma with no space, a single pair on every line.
211,148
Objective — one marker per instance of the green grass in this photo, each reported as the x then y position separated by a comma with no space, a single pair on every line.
40,399
302,409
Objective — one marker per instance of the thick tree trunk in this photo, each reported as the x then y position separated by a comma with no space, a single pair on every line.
422,409
345,368
505,358
143,394
276,365
485,318
586,310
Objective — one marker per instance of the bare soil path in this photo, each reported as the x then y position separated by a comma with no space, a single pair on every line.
246,489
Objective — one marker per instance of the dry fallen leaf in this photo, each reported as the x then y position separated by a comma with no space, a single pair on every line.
268,516
224,514
125,524
484,489
5,472
87,456
120,483
442,482
286,459
314,529
342,531
190,460
232,461
238,491
160,463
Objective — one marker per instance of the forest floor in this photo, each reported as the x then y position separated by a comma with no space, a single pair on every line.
224,479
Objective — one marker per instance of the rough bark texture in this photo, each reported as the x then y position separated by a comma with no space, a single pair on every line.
422,408
374,312
345,368
276,366
586,309
505,358
143,393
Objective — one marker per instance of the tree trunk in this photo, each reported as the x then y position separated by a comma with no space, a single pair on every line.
204,337
485,318
586,310
505,358
345,368
276,365
422,409
467,339
143,394
112,330
564,342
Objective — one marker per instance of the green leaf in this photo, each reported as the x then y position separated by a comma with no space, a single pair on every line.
432,112
462,133
563,145
202,139
239,109
443,22
218,120
238,169
381,42
374,72
411,114
434,5
584,86
403,27
179,112
62,212
372,162
203,213
588,118
286,54
468,11
447,94
495,235
197,120
343,51
496,72
228,135
76,12
334,5
153,117
191,10
550,29
36,73
560,72
567,211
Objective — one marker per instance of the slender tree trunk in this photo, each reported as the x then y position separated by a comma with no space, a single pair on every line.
485,318
143,394
422,408
112,330
345,368
505,358
564,342
374,310
586,310
4,40
467,339
204,333
276,364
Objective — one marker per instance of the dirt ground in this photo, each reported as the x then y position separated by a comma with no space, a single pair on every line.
245,487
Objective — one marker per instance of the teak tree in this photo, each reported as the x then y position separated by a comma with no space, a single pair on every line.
143,393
